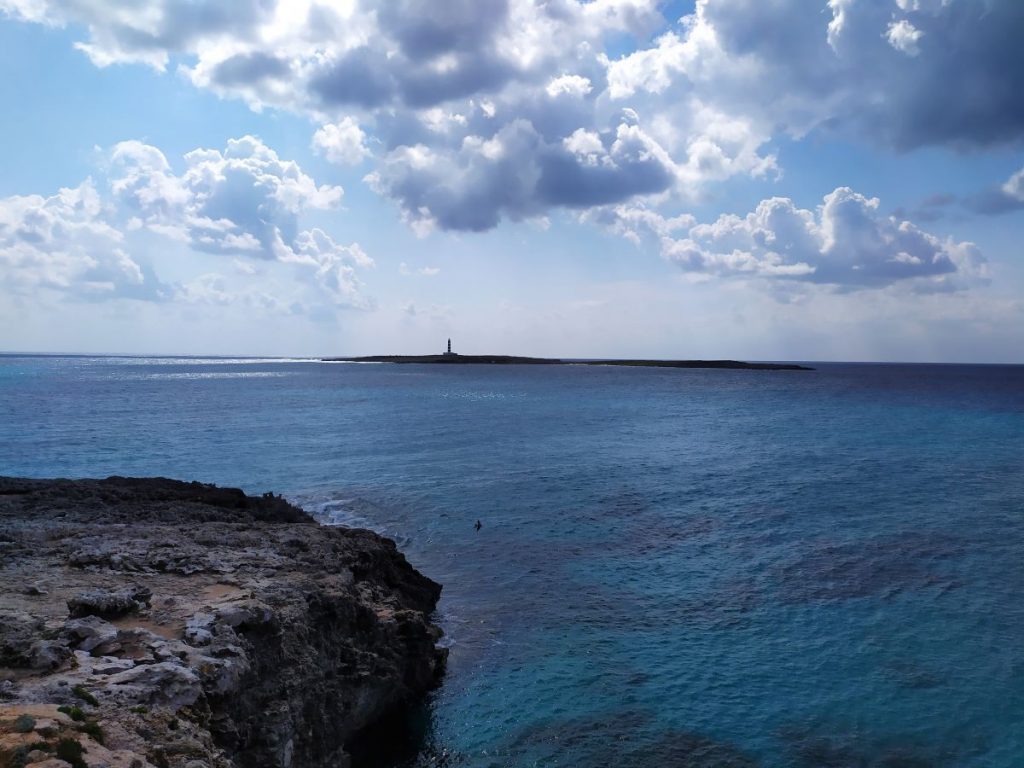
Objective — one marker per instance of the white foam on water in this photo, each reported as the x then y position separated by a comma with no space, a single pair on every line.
340,511
202,360
220,375
345,511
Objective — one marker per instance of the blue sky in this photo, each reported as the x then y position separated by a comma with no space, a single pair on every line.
787,180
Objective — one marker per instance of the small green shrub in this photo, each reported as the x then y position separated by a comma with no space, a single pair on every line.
84,695
74,712
24,724
14,758
18,757
70,751
140,710
93,729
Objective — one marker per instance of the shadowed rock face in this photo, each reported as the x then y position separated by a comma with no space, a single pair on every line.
196,626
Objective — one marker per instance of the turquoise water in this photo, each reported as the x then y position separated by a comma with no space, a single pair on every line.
698,568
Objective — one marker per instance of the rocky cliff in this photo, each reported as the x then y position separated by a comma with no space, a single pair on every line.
149,623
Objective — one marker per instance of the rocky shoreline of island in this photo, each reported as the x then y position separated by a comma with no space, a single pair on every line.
452,358
151,623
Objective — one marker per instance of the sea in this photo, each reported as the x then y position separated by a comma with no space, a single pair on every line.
673,567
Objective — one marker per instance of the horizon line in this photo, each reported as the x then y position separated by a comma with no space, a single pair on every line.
322,358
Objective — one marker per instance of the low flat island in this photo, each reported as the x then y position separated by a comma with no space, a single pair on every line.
455,359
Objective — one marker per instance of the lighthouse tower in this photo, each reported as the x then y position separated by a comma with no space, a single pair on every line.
449,353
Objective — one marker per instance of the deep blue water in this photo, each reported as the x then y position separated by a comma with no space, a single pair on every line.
704,568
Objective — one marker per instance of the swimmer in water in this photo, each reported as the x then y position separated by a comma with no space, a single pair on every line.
478,525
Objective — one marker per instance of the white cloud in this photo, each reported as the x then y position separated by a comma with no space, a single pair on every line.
655,69
569,85
343,142
847,70
585,144
632,222
720,146
495,109
209,288
517,174
904,36
840,19
844,243
320,55
244,200
452,90
64,243
775,63
439,121
1014,186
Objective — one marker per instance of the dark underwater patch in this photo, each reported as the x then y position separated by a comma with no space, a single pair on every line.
882,566
630,739
813,748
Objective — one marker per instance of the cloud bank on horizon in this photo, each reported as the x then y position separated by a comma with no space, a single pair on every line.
608,113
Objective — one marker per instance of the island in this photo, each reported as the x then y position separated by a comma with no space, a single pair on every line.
151,623
452,358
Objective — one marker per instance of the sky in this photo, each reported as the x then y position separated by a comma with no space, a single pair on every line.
784,180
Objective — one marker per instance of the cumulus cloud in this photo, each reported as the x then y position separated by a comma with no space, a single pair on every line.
484,169
844,243
343,142
243,200
633,222
321,55
526,153
64,243
904,36
517,174
569,85
506,109
903,73
523,75
334,267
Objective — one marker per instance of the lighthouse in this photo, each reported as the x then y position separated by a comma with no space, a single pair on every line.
449,353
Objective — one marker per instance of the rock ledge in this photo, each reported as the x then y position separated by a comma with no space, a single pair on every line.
150,623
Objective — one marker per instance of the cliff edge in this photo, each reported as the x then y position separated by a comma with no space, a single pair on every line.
150,623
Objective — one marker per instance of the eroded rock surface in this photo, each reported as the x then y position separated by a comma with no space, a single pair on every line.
160,624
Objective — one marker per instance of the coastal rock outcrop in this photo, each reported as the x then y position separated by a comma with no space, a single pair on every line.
150,623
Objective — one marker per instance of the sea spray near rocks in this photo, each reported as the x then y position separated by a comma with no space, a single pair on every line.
160,623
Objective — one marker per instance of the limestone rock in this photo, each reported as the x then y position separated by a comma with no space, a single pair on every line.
109,603
90,632
189,626
166,683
